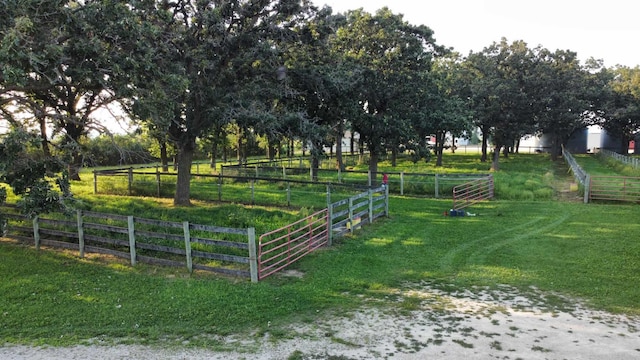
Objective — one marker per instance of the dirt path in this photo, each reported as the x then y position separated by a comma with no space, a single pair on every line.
471,325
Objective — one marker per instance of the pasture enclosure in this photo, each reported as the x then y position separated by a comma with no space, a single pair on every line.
223,250
267,184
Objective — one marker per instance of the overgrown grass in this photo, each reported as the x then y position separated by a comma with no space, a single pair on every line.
602,165
587,251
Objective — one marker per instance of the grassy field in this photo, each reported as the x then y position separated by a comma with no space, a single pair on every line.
590,252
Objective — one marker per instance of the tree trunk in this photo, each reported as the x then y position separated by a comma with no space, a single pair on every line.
339,136
75,165
239,151
440,136
495,163
214,154
315,164
352,144
164,158
485,146
183,183
43,134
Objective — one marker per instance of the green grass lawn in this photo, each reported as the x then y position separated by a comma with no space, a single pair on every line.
587,251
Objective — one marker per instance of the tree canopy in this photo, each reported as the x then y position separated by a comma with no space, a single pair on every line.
279,71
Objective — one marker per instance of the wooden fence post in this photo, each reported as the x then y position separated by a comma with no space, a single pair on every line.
253,257
132,239
157,182
288,193
370,206
386,201
401,183
130,180
80,233
369,180
437,194
95,182
187,245
587,188
36,232
351,225
329,219
220,185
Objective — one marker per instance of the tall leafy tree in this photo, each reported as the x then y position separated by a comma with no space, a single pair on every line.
448,112
215,54
61,60
562,90
621,115
390,51
499,94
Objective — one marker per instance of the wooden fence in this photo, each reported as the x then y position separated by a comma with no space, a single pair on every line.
228,251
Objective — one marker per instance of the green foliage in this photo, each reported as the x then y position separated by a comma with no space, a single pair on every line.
113,150
40,180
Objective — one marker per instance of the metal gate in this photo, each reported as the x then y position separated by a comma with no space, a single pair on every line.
614,188
279,248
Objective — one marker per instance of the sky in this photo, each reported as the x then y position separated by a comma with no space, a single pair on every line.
606,30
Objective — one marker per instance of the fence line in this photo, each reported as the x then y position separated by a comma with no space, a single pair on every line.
154,184
629,160
199,247
580,175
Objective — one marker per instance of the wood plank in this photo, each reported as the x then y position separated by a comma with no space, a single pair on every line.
221,257
232,272
162,223
104,216
218,229
225,243
110,228
161,248
106,240
157,235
